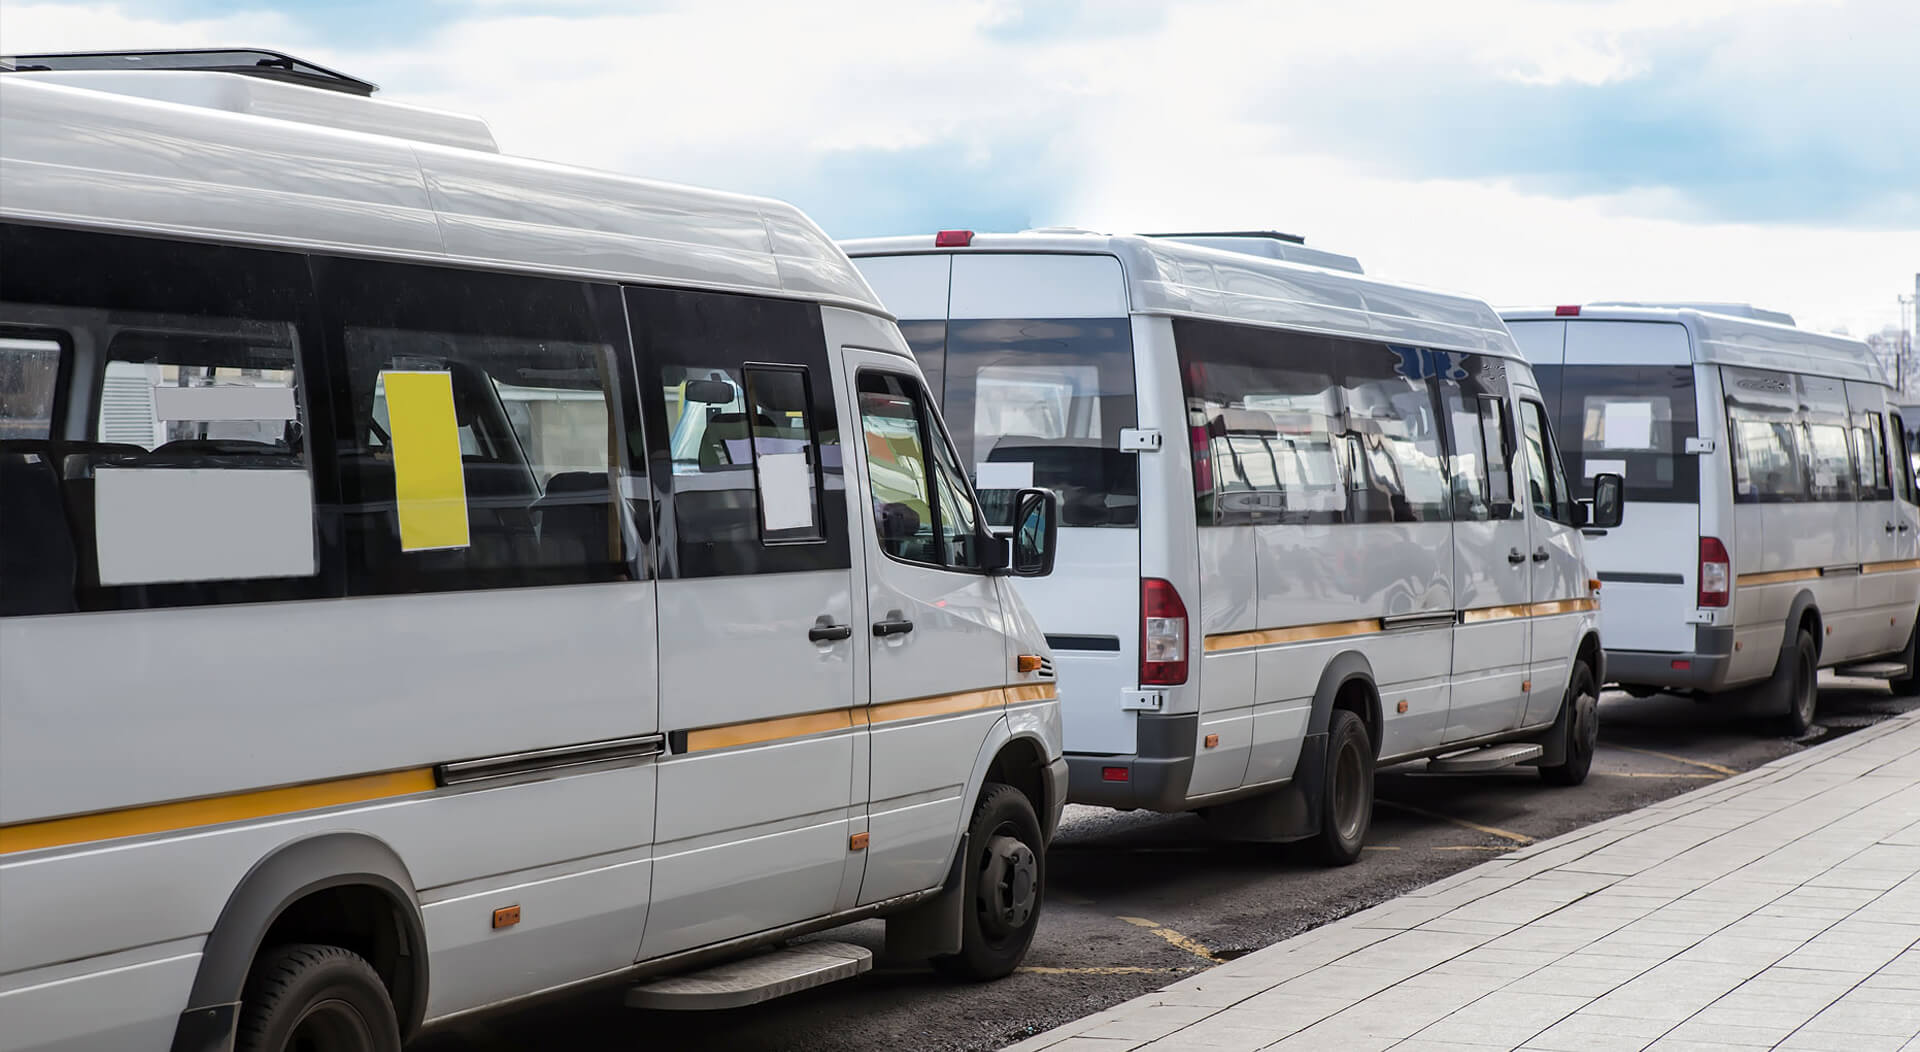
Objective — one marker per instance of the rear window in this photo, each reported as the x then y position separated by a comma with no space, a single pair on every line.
1041,403
1631,420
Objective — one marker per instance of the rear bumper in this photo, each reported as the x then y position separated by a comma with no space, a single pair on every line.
1157,775
1707,663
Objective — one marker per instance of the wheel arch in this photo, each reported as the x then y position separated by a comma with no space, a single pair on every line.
1347,682
353,869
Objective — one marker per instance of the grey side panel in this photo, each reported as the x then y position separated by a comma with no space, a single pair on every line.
282,878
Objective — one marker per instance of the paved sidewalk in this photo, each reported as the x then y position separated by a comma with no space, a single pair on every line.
1779,908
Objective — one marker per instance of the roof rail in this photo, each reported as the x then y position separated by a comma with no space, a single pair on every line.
1272,234
253,62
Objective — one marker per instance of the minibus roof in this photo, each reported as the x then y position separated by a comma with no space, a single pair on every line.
1167,276
189,165
1724,339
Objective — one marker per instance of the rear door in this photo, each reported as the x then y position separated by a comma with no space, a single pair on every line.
1625,402
938,661
1880,523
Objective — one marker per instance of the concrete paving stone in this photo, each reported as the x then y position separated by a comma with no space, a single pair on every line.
1538,939
1455,982
1079,1044
1509,1007
1729,1033
1825,1041
1723,948
1146,1022
1399,916
1485,929
1564,979
1217,1035
1578,1033
1212,990
1427,1045
1315,1039
1668,1044
1506,1035
1850,1015
1776,1015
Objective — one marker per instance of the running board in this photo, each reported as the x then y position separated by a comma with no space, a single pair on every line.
764,977
1874,670
1490,758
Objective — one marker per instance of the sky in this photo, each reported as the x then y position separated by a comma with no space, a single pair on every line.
1525,151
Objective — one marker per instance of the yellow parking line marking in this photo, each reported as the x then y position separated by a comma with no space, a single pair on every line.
1702,764
1115,970
1473,847
1518,838
1380,847
1697,775
1175,938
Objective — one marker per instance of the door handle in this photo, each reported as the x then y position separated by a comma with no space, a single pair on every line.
1904,527
1541,555
1890,527
829,633
892,626
1515,557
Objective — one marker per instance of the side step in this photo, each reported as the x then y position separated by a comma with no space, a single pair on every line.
1490,758
1874,670
736,984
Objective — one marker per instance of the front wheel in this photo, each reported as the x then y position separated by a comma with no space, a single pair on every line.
307,997
1346,810
1006,878
1582,730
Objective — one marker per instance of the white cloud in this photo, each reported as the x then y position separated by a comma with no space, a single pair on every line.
1193,118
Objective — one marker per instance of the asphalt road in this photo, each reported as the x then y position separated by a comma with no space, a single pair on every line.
1136,900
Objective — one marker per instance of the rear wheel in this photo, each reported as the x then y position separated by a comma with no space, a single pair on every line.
1582,729
1801,686
307,997
1347,805
1006,878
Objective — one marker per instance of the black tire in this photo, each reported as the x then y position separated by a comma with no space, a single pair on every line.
1346,807
1582,729
1006,880
1908,686
1798,687
306,997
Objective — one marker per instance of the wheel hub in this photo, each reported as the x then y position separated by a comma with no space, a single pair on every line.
1009,884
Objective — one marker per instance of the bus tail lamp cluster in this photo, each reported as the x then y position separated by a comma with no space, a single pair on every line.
953,239
1163,634
1716,573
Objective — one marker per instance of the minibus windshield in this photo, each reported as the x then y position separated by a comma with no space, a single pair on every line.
1632,420
1041,403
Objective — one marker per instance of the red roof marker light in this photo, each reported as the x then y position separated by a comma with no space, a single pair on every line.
953,239
1567,310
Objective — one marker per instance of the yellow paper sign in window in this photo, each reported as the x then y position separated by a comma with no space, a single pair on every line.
428,483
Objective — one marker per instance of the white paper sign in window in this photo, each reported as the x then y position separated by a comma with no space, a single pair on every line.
159,525
1629,425
1009,474
786,491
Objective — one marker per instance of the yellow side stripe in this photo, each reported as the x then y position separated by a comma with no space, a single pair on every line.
214,810
1903,564
1775,577
1370,626
755,732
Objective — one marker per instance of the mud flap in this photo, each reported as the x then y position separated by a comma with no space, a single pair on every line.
1553,744
936,927
1289,813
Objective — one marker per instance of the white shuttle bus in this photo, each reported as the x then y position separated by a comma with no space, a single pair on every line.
369,653
1311,522
1773,530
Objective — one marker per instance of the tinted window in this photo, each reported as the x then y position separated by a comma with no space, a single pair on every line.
1631,420
1903,463
746,442
483,436
1763,413
1395,457
1263,409
921,508
1870,453
1480,440
928,342
1828,450
1042,403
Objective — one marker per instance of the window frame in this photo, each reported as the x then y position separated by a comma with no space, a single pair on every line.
62,375
815,468
1902,481
1560,500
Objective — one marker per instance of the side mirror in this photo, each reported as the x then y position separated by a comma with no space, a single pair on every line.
1609,500
1036,531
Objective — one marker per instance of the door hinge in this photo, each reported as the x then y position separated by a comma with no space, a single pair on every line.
1139,440
1143,700
1700,445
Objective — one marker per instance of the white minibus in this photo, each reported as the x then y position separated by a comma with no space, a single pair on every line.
369,655
1311,522
1772,529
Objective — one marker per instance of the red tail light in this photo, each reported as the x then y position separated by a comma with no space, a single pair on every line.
1567,310
1202,460
1716,573
1163,634
953,239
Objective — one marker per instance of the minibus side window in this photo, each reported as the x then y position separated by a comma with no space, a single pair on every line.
1828,454
169,464
742,432
1396,469
1546,482
1762,416
485,439
922,510
1480,441
1870,453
